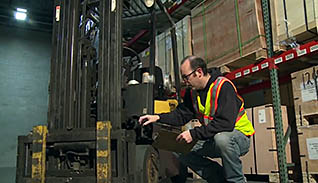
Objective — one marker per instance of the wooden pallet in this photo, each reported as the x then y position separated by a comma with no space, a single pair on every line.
310,177
271,177
237,61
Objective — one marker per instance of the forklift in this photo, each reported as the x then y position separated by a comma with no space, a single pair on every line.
97,92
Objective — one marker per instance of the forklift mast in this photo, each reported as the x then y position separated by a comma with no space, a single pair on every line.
92,132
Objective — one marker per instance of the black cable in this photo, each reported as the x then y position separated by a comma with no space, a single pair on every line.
306,19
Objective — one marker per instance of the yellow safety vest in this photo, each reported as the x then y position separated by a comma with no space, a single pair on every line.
207,112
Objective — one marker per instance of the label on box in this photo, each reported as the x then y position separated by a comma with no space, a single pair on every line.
312,148
261,116
308,91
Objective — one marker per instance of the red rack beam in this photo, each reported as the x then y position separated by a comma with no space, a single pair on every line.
287,56
136,37
176,6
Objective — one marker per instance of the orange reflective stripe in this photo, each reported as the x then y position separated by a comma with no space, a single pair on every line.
236,92
208,117
208,111
217,94
211,101
213,96
240,114
231,84
238,119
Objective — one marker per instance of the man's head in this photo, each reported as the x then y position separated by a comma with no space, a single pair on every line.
194,72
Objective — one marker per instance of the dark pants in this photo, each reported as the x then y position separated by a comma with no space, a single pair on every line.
228,146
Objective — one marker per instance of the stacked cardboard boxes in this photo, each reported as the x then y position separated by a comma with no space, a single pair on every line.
225,31
305,91
262,158
308,145
305,96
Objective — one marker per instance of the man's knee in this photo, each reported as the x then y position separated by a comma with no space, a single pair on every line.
222,140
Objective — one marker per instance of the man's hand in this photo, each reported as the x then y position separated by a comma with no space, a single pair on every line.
147,119
186,136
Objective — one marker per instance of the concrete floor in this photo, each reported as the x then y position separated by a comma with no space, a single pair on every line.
203,181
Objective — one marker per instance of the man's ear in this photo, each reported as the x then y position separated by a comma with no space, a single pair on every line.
199,70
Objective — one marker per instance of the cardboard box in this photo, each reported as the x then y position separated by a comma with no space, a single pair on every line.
261,159
308,146
265,140
305,91
225,31
248,160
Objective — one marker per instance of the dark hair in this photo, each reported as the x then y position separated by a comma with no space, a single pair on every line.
195,63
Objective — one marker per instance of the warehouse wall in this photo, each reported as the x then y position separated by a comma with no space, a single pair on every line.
24,75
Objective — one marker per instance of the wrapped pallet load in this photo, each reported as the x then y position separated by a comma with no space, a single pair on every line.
294,21
164,56
226,31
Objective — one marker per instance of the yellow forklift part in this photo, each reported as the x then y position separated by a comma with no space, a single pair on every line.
39,134
173,103
164,106
103,149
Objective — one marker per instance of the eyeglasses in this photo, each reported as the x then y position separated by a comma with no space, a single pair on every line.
186,77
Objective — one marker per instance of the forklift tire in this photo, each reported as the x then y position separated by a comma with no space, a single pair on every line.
147,163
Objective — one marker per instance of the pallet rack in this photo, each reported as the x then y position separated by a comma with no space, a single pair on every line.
272,63
287,56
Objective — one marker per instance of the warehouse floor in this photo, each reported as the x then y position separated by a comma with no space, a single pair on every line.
203,181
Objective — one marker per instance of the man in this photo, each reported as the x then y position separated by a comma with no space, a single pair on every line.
225,128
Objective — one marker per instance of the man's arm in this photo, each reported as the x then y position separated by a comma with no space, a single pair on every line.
180,116
225,116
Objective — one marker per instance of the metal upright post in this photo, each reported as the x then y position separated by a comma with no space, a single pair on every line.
110,59
174,49
150,87
283,174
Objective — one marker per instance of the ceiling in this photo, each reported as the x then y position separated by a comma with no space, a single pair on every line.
40,14
135,17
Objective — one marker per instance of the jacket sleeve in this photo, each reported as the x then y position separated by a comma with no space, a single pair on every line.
182,114
225,115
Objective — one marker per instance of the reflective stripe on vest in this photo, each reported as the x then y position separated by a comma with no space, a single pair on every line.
207,112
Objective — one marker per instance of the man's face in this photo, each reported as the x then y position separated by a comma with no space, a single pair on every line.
189,75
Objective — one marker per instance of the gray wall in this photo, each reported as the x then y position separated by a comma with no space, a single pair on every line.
24,75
